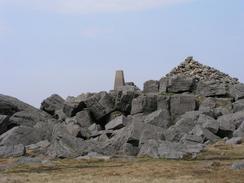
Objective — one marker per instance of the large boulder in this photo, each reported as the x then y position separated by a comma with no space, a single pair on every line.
211,88
216,107
10,105
151,86
237,91
140,117
238,105
123,101
181,103
151,132
73,105
163,102
12,151
64,145
22,118
205,134
177,84
26,118
240,131
144,104
207,103
100,105
84,118
60,115
183,126
129,149
208,123
163,84
52,104
229,123
149,149
160,118
22,135
131,134
72,126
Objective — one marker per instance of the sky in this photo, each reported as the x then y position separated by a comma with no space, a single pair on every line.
70,47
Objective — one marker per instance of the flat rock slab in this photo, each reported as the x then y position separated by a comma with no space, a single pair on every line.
116,124
12,151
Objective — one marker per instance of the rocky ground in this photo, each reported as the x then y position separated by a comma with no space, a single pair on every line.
176,117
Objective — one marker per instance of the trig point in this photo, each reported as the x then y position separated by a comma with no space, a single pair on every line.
119,80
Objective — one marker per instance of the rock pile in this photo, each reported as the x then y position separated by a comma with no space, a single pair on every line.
193,69
174,117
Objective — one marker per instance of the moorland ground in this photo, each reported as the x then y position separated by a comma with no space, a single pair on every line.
211,166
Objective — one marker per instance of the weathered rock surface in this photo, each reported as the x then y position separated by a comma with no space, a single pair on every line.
72,106
84,118
12,151
212,88
10,105
240,131
151,86
208,123
100,105
176,84
22,135
116,124
238,106
123,101
52,104
205,134
151,132
183,126
231,122
25,118
144,104
64,145
237,91
160,118
180,104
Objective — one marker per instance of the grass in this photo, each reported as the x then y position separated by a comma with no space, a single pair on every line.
212,166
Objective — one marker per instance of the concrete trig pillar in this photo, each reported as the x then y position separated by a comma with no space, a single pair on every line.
119,80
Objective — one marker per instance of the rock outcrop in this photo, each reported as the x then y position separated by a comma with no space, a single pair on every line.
174,117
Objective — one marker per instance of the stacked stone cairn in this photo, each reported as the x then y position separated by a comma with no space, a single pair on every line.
175,117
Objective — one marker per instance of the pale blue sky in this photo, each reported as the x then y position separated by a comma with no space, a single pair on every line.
74,46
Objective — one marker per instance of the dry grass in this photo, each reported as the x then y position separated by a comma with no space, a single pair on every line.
134,171
221,151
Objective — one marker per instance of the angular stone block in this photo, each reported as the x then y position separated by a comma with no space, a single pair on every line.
151,86
181,103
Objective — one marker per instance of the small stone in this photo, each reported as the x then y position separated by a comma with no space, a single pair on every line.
237,166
